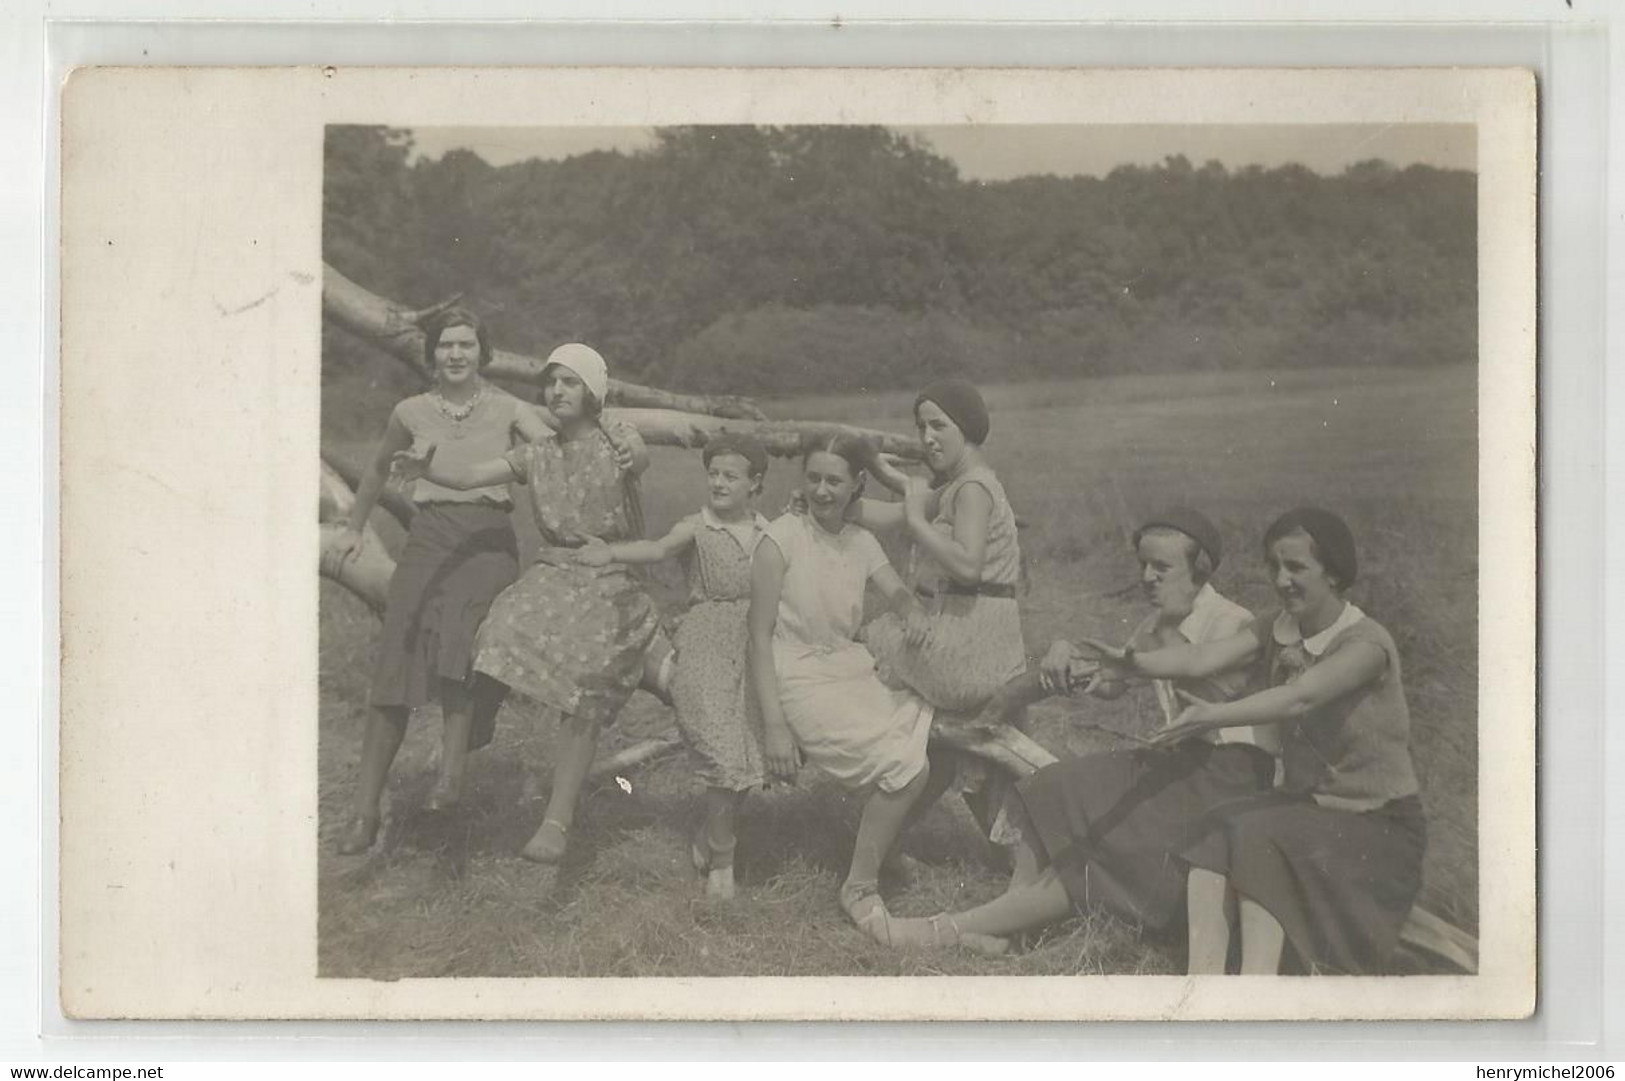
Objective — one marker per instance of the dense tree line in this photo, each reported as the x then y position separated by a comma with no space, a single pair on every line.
776,260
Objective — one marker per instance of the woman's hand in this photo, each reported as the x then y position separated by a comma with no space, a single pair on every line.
1194,720
783,757
348,544
623,453
917,629
1116,662
410,464
888,470
916,497
595,553
1055,670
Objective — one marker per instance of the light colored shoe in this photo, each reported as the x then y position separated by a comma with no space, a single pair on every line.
942,932
547,844
358,835
719,883
863,905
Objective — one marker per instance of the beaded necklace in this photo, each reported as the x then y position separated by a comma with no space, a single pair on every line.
453,413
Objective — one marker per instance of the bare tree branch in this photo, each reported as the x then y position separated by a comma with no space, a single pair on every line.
396,329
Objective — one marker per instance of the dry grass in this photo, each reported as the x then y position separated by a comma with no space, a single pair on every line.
1393,451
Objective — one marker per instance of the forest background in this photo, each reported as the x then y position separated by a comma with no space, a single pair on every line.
784,261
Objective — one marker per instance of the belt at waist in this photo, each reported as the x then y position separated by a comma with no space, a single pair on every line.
959,589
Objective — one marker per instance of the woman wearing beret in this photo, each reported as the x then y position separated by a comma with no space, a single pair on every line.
1106,830
966,566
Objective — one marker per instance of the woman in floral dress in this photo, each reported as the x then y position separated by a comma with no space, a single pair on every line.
570,636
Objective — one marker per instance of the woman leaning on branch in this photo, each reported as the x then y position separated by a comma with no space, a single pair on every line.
460,553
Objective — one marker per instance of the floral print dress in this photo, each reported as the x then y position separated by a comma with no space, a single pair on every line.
717,711
569,636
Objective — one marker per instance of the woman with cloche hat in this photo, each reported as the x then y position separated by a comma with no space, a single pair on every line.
570,636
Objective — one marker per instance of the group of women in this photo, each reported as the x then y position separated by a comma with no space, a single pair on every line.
1276,812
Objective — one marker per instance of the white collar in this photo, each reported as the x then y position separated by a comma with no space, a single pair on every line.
1204,610
709,517
1288,633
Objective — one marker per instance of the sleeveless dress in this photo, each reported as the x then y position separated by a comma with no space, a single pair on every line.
846,722
1335,854
717,711
975,645
569,636
460,552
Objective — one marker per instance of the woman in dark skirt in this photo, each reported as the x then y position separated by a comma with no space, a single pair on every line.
460,553
1332,862
1112,825
1106,830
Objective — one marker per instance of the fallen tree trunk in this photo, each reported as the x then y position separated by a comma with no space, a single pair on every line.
399,507
396,329
367,572
636,755
782,438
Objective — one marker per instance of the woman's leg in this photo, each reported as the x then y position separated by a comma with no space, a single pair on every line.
386,728
941,769
1010,701
1039,903
578,742
721,817
457,708
1206,906
657,669
1028,865
1262,940
884,816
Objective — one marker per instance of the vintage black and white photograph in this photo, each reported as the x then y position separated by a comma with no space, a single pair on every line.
1022,539
868,550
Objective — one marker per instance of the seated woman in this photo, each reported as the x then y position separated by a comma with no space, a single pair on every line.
819,695
1106,829
966,564
1332,861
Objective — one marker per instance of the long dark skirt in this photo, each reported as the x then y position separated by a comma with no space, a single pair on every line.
1113,825
1341,883
458,557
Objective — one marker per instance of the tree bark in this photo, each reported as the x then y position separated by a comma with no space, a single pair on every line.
782,438
365,573
399,507
395,329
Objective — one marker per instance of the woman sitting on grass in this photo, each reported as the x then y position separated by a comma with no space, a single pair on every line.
816,685
1332,862
1104,829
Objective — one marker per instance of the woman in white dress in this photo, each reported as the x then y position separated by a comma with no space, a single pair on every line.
821,700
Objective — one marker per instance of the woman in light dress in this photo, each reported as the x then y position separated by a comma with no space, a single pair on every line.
821,701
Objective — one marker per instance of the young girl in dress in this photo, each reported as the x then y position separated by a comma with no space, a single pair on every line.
716,708
570,636
460,553
816,685
1332,861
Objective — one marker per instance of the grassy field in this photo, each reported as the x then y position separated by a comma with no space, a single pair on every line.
1393,451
